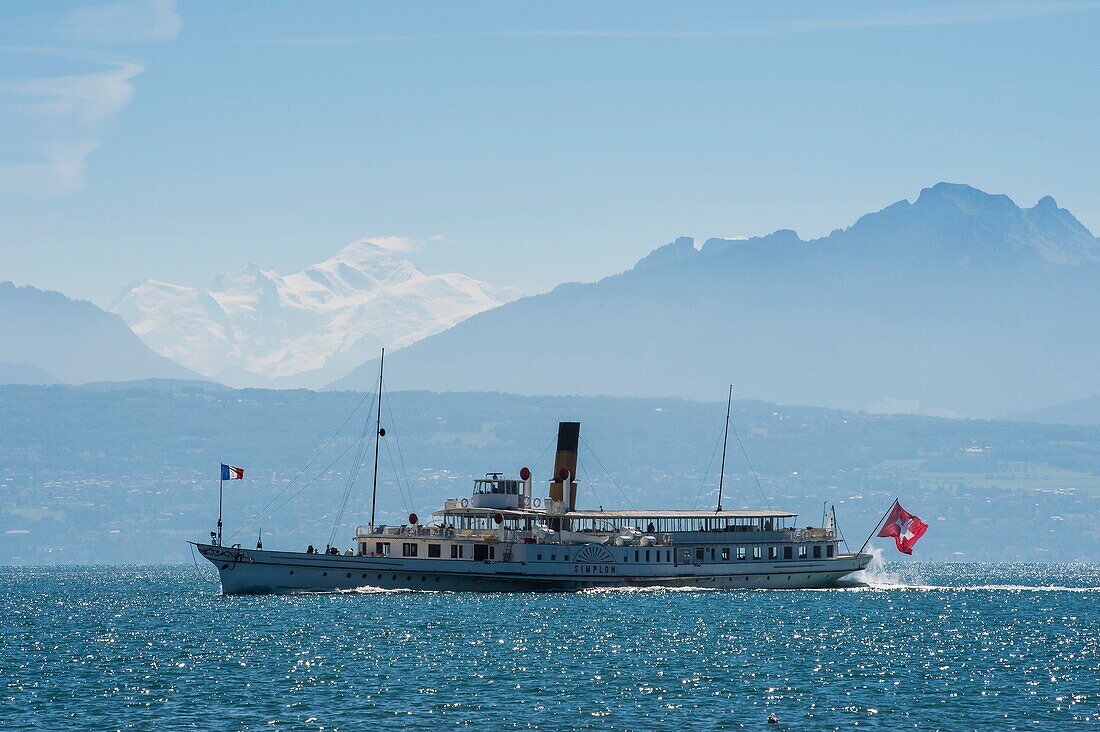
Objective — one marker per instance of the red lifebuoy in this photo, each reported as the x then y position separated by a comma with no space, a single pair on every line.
498,518
525,473
563,474
414,519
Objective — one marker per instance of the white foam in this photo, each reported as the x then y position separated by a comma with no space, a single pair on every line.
636,590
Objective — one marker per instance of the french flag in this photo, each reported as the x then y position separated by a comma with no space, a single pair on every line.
231,472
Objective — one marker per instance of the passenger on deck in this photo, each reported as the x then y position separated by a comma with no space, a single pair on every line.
310,549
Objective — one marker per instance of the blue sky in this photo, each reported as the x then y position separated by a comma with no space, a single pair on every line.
533,143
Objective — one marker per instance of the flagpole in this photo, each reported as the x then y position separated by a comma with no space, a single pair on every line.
888,510
221,483
377,438
725,439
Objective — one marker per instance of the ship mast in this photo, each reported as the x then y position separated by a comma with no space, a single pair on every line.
725,439
379,434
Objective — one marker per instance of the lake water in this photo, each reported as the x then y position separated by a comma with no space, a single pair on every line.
928,646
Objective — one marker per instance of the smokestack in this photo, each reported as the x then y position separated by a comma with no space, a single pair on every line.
563,485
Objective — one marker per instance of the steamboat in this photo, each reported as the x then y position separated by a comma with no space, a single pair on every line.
504,538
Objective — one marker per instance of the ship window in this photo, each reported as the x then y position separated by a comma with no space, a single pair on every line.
740,552
725,554
566,558
636,555
538,557
454,551
829,550
492,552
382,548
802,552
647,555
553,557
787,552
712,554
773,552
699,554
434,550
817,551
756,554
408,549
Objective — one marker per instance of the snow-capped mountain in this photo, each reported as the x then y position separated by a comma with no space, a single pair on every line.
256,327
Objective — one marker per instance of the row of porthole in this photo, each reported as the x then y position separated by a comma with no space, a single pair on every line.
408,578
767,578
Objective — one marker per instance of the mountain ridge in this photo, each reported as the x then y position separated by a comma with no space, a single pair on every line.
73,341
881,312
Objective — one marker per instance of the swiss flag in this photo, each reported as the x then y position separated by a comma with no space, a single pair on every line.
904,527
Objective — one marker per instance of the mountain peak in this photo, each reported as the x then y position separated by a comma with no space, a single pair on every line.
256,326
678,250
967,199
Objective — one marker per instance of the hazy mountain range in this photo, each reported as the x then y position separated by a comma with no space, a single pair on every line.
47,338
257,327
960,302
1078,412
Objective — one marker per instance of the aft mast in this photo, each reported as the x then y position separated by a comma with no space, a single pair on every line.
379,434
725,439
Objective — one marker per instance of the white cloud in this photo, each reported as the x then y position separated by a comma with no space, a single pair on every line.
55,121
59,170
62,122
88,99
891,16
133,20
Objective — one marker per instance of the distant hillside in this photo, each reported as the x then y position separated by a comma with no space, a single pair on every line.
958,303
24,373
129,474
74,341
1079,412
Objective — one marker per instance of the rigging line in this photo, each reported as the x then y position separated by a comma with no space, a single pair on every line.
306,466
408,503
841,533
297,493
543,454
589,482
611,477
706,475
754,476
353,473
400,455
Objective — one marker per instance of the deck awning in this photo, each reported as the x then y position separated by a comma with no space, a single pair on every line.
632,515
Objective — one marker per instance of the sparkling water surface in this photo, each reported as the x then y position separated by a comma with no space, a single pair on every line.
932,646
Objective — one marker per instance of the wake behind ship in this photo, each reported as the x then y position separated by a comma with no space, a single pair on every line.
503,538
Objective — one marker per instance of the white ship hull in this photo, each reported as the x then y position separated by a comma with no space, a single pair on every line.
253,571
